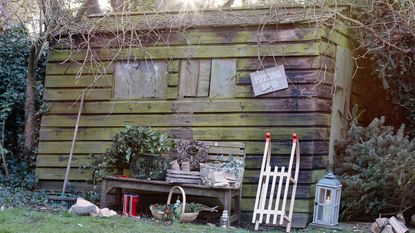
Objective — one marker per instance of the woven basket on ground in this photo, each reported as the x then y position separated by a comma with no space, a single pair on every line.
184,217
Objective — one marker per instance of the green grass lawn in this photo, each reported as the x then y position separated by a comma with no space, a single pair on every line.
19,220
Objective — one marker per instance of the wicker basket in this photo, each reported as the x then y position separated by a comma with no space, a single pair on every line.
234,176
185,217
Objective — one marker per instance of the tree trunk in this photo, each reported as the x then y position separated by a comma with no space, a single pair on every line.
51,18
30,121
5,13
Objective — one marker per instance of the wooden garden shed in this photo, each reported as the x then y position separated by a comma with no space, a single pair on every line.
188,74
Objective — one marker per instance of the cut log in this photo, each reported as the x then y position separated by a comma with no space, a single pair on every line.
401,218
398,226
388,229
382,222
375,228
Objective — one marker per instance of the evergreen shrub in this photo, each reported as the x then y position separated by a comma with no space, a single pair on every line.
377,169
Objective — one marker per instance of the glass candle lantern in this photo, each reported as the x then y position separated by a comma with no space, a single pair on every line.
224,219
327,201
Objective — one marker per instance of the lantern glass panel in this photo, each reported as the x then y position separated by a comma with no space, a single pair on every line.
338,197
328,197
336,214
320,213
327,207
322,196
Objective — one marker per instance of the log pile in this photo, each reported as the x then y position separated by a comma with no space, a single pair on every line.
391,225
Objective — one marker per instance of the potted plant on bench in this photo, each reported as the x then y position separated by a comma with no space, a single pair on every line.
141,149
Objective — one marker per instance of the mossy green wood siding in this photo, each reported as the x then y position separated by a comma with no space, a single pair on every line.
237,116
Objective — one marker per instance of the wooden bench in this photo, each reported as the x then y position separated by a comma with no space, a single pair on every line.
218,151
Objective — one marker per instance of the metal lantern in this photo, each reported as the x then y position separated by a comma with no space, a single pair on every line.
224,219
327,201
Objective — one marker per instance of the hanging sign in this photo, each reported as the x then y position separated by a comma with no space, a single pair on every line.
269,80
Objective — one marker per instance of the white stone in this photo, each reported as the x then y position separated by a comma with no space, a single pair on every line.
105,212
83,207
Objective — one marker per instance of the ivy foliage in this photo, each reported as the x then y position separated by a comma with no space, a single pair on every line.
20,197
21,171
14,48
15,43
377,170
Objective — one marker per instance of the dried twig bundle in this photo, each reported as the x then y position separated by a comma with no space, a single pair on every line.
193,152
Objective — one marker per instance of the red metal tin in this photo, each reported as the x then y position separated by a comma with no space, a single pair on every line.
129,207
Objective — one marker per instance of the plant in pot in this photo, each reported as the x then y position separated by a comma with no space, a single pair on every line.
193,152
140,148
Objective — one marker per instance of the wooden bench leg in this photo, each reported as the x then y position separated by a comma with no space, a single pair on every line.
118,198
238,208
227,204
103,197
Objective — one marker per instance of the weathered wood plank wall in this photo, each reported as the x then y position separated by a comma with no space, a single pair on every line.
225,110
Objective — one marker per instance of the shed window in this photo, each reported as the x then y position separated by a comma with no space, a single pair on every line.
145,79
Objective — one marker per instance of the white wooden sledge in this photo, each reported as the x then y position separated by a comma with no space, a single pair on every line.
267,204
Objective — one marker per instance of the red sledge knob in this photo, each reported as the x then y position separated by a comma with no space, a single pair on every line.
268,137
295,137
